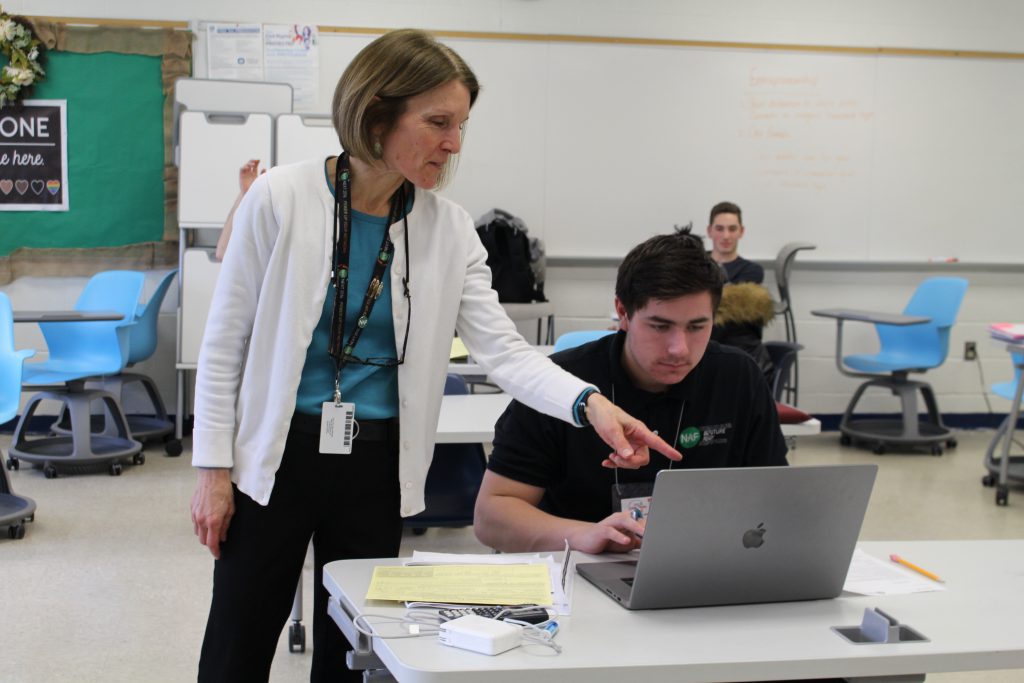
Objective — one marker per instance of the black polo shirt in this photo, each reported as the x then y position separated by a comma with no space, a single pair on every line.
720,415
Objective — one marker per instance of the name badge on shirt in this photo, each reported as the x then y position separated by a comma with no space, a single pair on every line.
336,427
635,496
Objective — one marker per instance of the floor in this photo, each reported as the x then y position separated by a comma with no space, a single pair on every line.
109,583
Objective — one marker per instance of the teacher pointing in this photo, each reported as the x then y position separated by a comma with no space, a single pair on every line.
336,303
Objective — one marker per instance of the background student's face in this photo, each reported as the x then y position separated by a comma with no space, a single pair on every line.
665,339
725,232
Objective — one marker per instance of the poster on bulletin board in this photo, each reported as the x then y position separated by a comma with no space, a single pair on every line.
34,157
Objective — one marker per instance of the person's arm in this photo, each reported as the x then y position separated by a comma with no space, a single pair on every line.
527,374
246,175
232,313
225,232
507,518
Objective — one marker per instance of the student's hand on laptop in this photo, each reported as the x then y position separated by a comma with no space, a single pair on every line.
616,533
630,437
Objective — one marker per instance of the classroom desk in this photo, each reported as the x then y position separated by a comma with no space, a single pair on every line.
65,316
472,372
470,419
974,625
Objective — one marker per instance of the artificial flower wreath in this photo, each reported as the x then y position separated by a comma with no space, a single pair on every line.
23,51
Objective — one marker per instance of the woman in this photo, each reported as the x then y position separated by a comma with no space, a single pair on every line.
277,361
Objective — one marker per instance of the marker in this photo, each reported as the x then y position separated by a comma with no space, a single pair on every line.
924,572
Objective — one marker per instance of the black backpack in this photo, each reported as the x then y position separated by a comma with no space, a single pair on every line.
508,257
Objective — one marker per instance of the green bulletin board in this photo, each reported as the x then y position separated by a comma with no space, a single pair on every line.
115,155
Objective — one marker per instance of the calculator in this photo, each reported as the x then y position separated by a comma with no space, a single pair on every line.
531,614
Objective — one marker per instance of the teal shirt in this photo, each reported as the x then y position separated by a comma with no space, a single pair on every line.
373,389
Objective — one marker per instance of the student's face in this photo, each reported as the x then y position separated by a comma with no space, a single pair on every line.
725,232
665,339
427,133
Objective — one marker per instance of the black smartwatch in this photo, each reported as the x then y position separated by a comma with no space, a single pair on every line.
579,409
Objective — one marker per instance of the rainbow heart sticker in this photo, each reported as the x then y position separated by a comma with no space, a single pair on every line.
53,186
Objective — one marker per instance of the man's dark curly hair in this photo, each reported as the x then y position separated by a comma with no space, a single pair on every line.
667,267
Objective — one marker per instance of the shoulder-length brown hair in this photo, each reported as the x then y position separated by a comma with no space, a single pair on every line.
373,91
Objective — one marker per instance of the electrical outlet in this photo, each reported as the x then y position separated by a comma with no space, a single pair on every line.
970,350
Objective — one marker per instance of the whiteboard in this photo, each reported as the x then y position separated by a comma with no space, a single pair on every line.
213,148
304,137
871,157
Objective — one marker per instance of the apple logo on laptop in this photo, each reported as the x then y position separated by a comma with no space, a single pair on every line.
754,538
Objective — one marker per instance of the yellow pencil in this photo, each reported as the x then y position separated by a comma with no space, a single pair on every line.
911,565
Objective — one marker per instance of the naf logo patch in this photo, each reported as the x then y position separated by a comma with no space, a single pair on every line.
707,435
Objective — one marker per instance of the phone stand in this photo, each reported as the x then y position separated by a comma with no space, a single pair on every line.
879,627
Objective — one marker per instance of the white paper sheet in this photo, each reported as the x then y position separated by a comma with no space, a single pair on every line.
869,575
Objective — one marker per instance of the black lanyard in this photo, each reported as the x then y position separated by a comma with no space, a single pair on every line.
339,276
679,430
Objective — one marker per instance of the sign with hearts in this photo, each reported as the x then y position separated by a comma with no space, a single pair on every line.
34,157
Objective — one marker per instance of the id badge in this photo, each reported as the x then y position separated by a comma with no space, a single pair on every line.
635,496
336,426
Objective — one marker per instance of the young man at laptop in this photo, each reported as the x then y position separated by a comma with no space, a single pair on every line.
543,485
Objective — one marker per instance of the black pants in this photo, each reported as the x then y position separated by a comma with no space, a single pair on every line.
348,504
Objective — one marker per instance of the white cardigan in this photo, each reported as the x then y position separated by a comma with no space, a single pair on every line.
269,298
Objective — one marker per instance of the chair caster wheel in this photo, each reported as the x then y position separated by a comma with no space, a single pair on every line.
879,449
988,481
13,464
16,531
139,459
173,448
115,469
49,471
1002,496
951,443
936,450
296,638
844,440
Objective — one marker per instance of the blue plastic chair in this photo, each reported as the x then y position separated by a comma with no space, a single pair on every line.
1008,390
14,510
1002,442
142,344
904,350
79,351
570,339
453,479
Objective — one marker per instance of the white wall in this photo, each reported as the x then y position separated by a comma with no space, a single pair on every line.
582,293
980,25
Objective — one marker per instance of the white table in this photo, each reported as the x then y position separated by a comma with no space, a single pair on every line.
472,371
977,624
471,418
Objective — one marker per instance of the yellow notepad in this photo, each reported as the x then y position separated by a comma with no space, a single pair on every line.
475,584
459,350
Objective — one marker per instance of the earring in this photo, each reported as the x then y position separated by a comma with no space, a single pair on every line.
378,151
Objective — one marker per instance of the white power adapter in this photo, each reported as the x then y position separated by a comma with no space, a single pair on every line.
479,634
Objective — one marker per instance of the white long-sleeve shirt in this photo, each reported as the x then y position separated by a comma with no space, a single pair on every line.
269,298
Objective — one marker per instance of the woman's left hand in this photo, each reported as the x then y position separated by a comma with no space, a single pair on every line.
630,437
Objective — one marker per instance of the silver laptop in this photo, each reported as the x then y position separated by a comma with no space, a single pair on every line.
742,535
